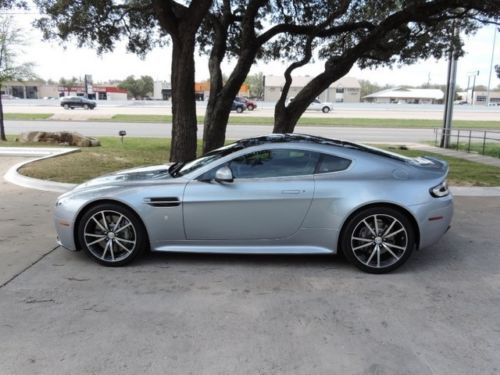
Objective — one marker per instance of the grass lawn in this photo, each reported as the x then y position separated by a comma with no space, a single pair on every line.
323,121
27,116
490,149
113,155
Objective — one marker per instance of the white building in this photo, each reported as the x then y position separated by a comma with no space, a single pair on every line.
162,90
346,89
406,95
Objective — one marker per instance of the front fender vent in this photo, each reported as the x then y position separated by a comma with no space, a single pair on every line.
163,201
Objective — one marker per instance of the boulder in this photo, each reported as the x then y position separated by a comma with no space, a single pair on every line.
59,138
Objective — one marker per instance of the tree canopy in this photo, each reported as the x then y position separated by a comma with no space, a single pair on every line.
139,88
340,33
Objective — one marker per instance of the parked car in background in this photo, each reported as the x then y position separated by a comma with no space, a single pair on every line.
251,104
72,102
276,194
318,105
238,106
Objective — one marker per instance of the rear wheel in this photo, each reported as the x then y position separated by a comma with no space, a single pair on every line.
66,106
86,106
326,109
112,235
239,109
250,107
378,239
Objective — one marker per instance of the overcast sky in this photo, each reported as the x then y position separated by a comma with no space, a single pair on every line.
53,61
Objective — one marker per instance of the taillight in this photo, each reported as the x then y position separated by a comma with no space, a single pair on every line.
440,190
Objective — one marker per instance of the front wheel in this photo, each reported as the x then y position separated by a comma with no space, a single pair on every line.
250,107
66,106
239,109
112,235
85,106
378,239
326,109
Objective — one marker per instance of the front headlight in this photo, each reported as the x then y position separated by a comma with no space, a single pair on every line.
440,190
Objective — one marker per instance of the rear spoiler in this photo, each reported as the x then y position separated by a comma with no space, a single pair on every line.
429,162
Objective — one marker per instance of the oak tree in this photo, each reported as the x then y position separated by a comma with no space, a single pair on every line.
144,24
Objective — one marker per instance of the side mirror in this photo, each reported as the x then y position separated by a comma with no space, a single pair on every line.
224,174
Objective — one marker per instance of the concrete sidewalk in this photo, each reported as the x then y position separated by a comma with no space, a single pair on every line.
35,153
26,229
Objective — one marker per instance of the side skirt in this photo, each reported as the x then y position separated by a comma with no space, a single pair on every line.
245,249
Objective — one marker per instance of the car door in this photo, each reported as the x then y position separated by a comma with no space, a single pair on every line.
268,199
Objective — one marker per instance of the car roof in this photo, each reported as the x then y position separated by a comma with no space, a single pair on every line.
315,140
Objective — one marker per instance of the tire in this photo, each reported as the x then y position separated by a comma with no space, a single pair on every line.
250,107
239,109
123,236
85,106
367,245
325,109
66,106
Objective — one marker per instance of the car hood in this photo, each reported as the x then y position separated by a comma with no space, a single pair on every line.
155,172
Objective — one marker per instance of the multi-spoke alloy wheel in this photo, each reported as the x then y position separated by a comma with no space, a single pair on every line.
378,240
112,235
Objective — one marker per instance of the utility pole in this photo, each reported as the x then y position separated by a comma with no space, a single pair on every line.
473,74
450,95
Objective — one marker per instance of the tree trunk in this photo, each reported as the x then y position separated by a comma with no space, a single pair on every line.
218,110
285,118
184,125
2,126
282,121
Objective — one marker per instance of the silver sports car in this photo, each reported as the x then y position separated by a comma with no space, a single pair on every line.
277,194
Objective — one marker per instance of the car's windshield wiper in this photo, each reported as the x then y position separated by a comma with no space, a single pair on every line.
174,168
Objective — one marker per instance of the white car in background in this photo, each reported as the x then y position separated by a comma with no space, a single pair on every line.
318,105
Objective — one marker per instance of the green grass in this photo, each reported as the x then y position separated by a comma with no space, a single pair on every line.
323,121
113,155
27,116
462,172
95,161
490,149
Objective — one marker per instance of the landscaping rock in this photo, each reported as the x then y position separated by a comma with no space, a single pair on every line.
60,138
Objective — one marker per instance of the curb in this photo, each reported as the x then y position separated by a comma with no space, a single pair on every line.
14,177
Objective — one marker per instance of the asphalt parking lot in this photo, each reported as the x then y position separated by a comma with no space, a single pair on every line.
60,313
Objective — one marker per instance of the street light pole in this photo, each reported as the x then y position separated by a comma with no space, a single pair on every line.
450,95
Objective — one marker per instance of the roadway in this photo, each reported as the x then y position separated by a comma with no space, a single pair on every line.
91,128
107,109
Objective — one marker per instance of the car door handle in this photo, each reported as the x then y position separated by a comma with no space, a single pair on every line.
291,191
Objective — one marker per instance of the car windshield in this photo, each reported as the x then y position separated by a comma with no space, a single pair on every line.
178,170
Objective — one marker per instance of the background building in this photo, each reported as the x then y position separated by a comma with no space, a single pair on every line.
162,90
29,90
202,90
346,89
406,95
480,97
40,90
100,92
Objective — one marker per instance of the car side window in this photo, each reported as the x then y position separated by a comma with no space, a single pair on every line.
274,163
331,163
